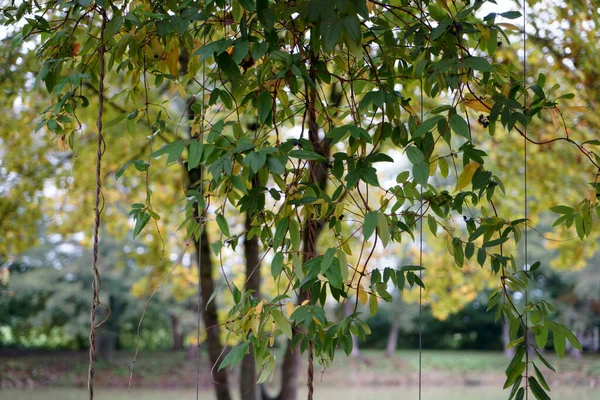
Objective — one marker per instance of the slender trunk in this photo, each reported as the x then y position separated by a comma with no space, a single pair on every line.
508,352
392,343
107,336
248,388
572,351
176,334
211,321
348,309
596,339
290,368
207,285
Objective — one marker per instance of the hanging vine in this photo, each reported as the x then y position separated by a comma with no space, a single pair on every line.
98,206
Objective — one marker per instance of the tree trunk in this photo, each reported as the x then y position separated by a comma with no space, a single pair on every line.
290,369
348,309
207,287
572,351
392,343
248,388
107,336
508,352
211,321
176,334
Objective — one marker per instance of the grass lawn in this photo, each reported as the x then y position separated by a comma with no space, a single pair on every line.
372,368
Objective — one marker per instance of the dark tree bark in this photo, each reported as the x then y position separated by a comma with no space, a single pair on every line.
248,387
207,287
211,321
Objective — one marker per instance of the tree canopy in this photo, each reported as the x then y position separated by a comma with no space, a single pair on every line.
319,135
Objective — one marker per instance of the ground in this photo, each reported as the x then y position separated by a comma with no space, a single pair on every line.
171,370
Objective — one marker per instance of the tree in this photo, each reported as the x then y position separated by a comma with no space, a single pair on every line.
312,164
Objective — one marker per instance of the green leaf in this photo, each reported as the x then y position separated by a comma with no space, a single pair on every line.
373,304
277,264
280,231
514,373
496,242
537,390
459,255
383,229
479,64
334,275
344,269
481,256
306,155
432,223
543,360
415,155
327,259
511,14
141,220
370,224
294,230
427,125
264,105
559,342
331,36
352,28
218,47
235,356
520,394
541,337
173,150
195,154
140,165
562,210
571,337
541,378
223,226
421,173
459,126
282,323
228,66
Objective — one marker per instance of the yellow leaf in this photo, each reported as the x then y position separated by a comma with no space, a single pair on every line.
466,175
305,302
289,308
63,144
362,295
485,33
271,341
508,26
506,90
346,248
173,61
591,195
478,105
555,118
259,307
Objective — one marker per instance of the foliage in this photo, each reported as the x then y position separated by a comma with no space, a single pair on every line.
332,91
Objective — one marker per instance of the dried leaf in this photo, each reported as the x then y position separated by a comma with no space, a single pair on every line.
555,118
